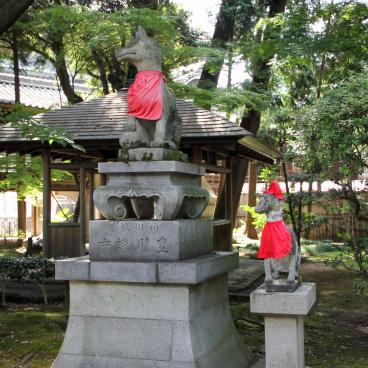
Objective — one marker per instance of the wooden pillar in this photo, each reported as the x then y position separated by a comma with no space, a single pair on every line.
82,213
229,204
91,204
46,203
22,215
35,228
250,229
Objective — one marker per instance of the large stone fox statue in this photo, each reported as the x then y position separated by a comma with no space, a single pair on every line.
153,120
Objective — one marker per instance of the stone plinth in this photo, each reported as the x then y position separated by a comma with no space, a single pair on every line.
150,240
133,325
284,327
160,190
192,271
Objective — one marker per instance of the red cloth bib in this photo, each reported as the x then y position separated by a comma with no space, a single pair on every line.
275,241
145,95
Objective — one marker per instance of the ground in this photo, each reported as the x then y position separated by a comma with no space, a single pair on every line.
336,331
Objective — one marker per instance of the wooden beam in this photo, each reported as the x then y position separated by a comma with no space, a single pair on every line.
46,203
70,152
91,203
82,214
73,167
217,169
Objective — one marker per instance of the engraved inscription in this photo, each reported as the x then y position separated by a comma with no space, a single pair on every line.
140,227
105,243
162,245
142,243
125,227
121,243
154,228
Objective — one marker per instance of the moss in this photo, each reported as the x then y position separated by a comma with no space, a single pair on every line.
36,332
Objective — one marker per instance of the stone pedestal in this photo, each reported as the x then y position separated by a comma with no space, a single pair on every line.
152,293
150,314
284,327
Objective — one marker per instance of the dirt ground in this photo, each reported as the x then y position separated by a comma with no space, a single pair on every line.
336,331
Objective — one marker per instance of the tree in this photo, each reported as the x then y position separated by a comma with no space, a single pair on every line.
251,119
11,11
338,121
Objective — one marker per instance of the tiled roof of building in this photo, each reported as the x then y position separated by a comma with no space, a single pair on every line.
103,118
36,90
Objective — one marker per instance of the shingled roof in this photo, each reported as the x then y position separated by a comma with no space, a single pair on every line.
36,90
103,118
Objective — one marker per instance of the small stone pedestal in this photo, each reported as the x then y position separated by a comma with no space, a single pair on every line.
284,326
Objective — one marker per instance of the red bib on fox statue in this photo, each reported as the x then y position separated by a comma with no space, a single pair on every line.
276,238
145,95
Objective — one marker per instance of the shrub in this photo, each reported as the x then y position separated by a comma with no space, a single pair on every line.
33,269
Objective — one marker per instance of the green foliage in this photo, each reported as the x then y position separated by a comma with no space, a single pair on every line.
63,215
228,100
21,118
24,175
315,248
21,269
360,286
259,219
268,174
339,123
353,257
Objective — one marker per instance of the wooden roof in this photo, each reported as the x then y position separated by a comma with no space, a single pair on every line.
103,118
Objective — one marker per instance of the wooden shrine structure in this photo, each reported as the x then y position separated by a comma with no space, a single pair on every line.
208,139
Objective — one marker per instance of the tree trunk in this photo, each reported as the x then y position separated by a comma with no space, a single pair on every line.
224,33
16,68
102,71
62,73
3,297
251,120
10,11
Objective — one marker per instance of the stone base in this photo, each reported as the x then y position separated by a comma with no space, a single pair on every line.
116,325
150,240
191,271
152,154
284,327
281,285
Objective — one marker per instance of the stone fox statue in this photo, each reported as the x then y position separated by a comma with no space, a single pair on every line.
153,120
279,246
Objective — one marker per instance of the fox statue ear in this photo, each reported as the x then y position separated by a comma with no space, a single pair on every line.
141,33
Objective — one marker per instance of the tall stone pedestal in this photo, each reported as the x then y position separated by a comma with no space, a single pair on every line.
152,293
150,315
284,325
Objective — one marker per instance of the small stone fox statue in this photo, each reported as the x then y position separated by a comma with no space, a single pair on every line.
153,119
279,247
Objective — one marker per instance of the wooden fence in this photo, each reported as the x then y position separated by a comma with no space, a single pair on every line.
335,225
